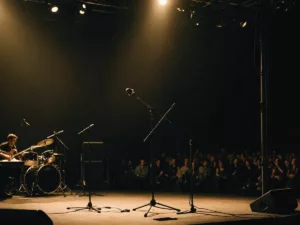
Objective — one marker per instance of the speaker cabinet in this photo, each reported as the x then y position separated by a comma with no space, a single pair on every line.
276,201
24,216
95,175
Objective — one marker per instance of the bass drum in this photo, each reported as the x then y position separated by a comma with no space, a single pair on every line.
44,179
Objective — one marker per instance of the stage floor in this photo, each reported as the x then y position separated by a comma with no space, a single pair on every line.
211,208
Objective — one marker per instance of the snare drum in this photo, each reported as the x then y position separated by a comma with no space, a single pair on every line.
30,158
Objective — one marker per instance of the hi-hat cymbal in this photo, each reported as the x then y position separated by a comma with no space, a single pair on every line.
45,142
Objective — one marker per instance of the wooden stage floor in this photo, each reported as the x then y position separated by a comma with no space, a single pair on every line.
210,209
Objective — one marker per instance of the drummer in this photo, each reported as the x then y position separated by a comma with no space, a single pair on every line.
9,148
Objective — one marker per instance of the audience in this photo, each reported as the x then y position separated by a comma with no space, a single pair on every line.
224,172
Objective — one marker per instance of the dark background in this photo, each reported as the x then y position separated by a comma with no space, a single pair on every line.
65,72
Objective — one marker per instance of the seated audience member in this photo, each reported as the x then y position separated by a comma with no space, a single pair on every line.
221,176
141,174
236,175
157,173
129,171
249,178
293,175
183,175
204,176
171,174
258,181
277,175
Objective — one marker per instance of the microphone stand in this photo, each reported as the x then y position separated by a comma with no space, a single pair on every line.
89,205
153,202
148,107
193,208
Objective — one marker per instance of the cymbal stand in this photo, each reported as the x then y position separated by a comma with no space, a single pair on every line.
89,205
63,186
153,202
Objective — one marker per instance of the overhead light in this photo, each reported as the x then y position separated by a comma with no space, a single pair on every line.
162,2
81,12
243,24
54,9
84,6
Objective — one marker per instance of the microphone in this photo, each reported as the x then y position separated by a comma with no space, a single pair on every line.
26,123
130,91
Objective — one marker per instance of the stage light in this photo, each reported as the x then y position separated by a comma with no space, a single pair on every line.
243,24
81,12
54,9
180,9
162,2
83,6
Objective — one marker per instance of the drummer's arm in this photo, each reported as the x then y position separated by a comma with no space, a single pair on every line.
4,156
15,151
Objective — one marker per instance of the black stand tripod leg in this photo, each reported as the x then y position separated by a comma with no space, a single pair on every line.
141,206
153,203
89,205
168,207
83,208
146,214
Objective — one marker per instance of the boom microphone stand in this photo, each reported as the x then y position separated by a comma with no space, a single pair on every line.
153,202
89,205
193,209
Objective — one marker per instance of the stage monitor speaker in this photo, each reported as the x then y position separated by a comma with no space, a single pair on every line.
276,201
24,216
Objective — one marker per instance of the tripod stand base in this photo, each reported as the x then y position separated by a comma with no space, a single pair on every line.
192,210
153,203
89,207
64,188
22,189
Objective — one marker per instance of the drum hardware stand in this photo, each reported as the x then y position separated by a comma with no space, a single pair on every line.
60,188
22,188
193,208
89,205
62,185
153,202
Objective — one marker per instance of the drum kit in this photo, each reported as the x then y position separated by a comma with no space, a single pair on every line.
42,173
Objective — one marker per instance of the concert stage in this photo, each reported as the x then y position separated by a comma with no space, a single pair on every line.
211,209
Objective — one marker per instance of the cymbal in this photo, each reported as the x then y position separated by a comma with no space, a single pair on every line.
34,146
45,142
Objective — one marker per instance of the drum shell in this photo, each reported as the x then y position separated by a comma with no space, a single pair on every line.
30,159
48,157
43,179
